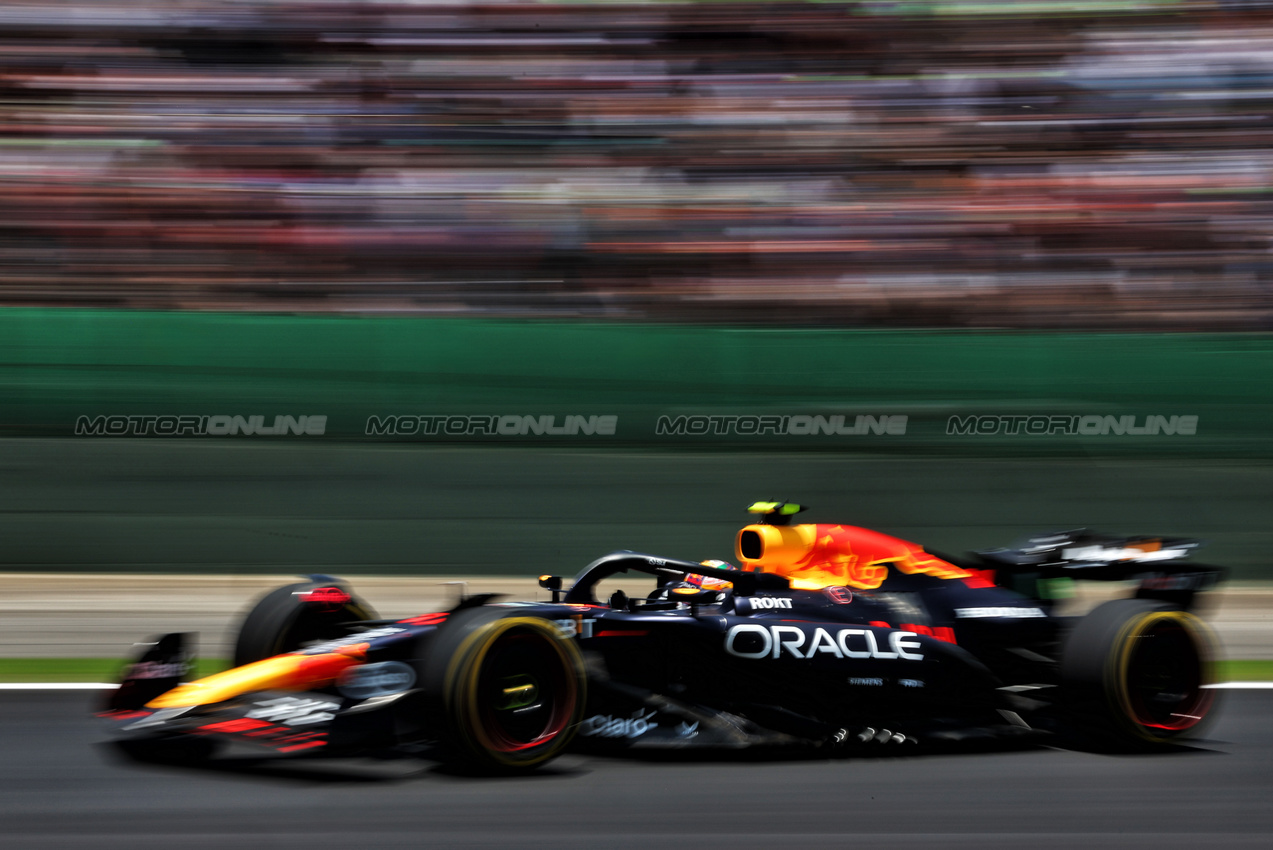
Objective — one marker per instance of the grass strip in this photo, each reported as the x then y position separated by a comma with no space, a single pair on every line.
109,669
1245,670
82,669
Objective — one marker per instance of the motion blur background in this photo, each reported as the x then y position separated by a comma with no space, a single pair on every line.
1012,164
919,209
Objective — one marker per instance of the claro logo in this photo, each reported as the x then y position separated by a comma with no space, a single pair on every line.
756,641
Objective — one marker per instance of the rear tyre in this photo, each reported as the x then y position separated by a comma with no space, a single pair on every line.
284,620
508,690
1134,672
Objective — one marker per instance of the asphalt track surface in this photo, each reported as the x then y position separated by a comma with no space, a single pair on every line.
61,789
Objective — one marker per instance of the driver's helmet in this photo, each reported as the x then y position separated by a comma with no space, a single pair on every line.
711,582
692,583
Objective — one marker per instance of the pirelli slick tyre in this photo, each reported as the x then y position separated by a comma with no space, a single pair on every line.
507,690
289,617
1135,672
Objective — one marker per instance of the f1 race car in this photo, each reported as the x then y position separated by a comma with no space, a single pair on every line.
824,635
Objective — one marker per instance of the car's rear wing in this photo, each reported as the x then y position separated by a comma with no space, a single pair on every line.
1159,564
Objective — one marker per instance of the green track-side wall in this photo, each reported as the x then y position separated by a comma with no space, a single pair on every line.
346,502
59,365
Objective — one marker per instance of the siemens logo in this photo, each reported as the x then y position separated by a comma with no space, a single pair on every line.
999,613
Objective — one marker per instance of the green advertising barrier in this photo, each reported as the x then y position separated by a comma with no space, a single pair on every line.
303,378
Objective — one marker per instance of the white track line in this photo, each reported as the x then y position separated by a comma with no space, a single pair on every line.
103,686
1242,686
56,686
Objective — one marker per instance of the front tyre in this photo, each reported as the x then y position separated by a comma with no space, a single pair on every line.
1135,673
287,618
508,690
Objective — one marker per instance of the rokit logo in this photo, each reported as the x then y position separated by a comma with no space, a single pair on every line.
756,641
576,626
768,603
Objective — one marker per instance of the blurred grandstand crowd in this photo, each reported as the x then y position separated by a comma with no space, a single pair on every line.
1040,164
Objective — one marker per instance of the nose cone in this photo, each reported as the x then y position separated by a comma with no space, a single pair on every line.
292,672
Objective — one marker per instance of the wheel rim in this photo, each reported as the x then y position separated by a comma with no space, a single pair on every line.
524,694
1164,672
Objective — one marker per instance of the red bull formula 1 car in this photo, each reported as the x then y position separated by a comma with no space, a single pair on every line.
825,635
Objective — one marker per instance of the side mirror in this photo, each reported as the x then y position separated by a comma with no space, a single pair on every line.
553,585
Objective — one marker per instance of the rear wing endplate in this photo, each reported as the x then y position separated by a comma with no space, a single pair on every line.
1159,564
